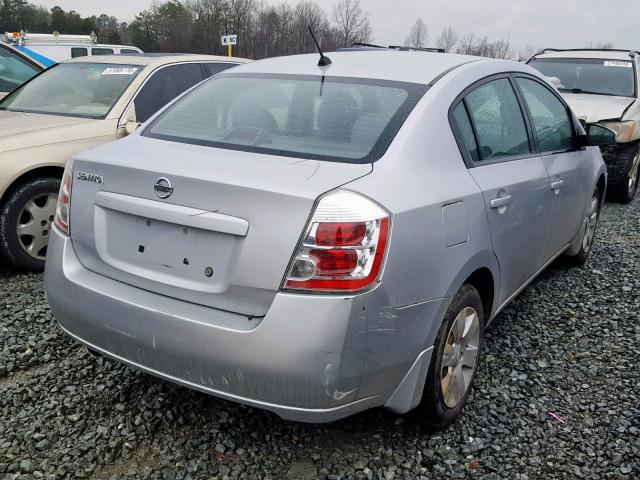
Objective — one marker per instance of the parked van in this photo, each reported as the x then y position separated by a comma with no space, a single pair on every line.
50,49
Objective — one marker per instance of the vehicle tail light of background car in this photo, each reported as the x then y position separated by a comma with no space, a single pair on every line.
343,247
61,219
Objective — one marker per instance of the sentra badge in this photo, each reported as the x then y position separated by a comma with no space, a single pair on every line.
90,177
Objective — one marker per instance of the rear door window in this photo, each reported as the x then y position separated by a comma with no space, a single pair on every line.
165,85
551,120
336,119
498,120
78,52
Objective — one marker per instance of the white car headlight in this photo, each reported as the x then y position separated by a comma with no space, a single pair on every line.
625,131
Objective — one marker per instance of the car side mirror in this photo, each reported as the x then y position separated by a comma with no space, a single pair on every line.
599,136
131,124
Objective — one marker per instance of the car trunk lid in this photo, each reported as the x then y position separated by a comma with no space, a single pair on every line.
222,237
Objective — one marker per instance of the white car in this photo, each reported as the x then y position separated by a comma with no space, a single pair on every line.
601,87
70,107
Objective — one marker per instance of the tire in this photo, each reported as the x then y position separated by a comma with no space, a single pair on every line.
26,219
438,410
625,190
593,214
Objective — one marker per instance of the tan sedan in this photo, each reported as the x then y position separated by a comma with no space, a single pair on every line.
71,107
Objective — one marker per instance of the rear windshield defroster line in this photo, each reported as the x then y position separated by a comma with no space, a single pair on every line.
338,119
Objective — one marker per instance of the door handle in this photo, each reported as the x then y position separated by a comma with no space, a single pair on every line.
555,185
500,201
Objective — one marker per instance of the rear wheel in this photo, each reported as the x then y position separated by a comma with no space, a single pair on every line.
589,232
26,219
454,360
626,190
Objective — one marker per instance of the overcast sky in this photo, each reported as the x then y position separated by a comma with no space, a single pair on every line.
540,23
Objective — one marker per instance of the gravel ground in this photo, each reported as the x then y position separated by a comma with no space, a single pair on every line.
569,345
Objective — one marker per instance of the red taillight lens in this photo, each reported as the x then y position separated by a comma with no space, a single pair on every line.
335,263
340,234
344,246
61,219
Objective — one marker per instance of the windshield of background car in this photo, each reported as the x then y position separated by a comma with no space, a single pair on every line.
585,75
76,89
335,119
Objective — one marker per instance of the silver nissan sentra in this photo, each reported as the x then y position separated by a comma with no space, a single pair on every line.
319,240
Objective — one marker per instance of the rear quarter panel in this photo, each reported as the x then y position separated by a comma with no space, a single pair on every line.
422,173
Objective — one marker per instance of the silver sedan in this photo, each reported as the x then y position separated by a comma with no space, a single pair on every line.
319,240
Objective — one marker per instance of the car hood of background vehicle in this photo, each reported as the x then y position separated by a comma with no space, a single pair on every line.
25,130
595,108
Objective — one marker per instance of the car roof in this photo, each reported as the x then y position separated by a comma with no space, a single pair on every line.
587,53
413,67
154,60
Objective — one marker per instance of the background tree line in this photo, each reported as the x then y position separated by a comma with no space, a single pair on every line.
264,29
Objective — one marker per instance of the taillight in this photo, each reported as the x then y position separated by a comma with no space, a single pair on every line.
61,219
344,246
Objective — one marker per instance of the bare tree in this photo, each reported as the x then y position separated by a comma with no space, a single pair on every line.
467,44
447,39
307,14
526,53
352,22
418,36
500,49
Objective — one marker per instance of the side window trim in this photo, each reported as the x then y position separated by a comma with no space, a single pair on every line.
533,141
473,128
469,162
568,110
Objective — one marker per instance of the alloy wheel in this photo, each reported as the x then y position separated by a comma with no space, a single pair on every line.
460,356
34,224
592,223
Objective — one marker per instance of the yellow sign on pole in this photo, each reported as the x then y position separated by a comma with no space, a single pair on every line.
229,41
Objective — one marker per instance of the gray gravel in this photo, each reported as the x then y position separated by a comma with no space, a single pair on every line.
569,345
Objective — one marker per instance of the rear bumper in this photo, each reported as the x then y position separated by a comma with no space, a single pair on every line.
311,358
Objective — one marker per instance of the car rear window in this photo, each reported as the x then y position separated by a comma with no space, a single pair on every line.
335,119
